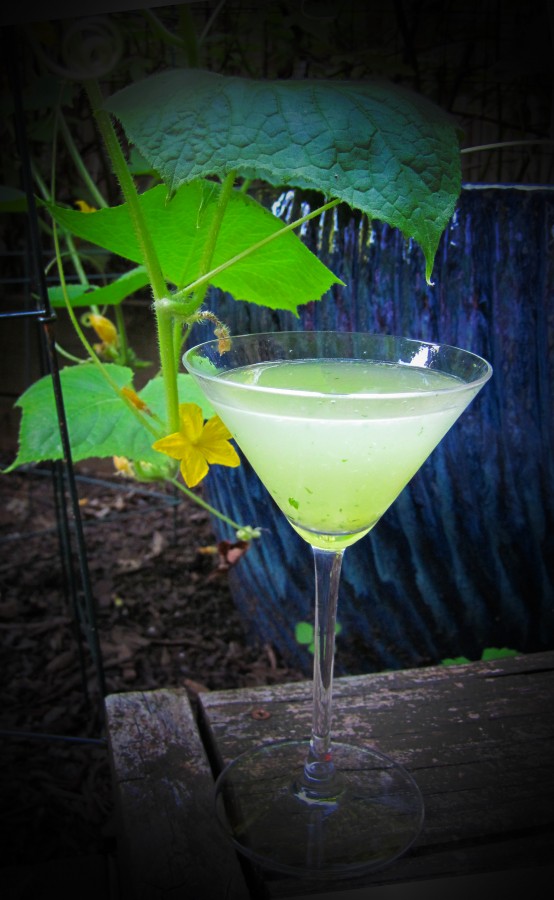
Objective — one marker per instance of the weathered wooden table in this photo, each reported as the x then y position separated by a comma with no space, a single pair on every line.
478,738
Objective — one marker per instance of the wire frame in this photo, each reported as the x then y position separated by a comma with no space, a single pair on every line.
71,536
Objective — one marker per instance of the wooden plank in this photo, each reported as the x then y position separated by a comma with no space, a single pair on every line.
479,740
171,844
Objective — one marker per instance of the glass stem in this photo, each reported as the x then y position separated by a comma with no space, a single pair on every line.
319,769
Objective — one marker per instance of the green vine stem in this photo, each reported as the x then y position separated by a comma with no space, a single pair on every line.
95,194
186,308
503,145
150,259
211,241
100,202
122,333
90,350
199,294
204,504
267,240
70,243
71,249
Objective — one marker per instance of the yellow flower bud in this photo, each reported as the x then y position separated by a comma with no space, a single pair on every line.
123,466
84,207
135,399
106,330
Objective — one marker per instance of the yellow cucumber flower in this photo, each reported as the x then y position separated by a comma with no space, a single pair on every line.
197,445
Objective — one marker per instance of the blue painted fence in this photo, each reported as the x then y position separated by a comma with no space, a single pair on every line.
465,557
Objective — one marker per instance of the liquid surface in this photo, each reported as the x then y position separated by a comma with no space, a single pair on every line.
335,460
342,377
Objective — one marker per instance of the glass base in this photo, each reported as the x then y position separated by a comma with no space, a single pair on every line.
368,816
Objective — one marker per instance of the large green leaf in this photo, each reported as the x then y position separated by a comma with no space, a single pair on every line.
107,295
282,275
99,423
380,148
97,419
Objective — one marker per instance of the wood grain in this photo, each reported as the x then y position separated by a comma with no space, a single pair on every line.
171,844
479,740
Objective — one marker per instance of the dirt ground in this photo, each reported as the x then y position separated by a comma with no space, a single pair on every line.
163,614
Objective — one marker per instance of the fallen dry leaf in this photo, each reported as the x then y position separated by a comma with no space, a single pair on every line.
230,553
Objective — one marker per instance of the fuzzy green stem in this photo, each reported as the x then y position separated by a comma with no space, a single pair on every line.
128,189
122,334
195,302
169,371
178,340
211,240
148,252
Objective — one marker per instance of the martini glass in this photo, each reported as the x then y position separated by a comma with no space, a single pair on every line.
335,424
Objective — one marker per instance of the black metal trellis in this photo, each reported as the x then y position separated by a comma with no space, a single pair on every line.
70,526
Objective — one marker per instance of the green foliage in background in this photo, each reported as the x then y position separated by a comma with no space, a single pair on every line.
488,653
186,145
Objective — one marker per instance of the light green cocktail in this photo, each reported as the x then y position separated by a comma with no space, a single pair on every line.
336,441
335,425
